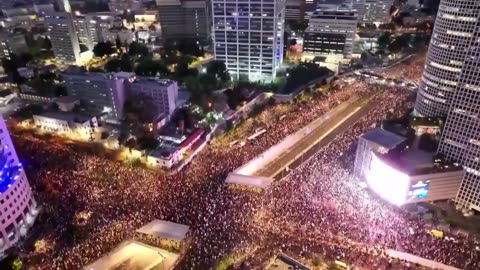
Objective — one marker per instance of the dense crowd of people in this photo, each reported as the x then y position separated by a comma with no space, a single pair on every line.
410,70
91,204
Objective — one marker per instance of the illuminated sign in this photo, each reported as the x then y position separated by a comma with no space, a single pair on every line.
388,182
419,190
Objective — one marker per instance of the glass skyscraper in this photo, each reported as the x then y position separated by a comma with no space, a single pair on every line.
450,87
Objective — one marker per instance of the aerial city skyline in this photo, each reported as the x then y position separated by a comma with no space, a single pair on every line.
239,134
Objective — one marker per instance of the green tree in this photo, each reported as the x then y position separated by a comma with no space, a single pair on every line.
219,70
112,65
182,70
118,43
60,91
387,26
298,26
149,67
126,63
17,264
137,49
103,48
384,39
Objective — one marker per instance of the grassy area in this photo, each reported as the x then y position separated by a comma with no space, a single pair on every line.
225,263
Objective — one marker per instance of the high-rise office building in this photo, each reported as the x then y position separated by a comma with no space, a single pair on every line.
331,31
86,29
248,37
377,11
64,6
294,10
63,36
19,208
359,7
452,43
451,85
183,19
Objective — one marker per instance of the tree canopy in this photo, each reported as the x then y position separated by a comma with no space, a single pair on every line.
384,39
149,67
137,49
219,70
103,48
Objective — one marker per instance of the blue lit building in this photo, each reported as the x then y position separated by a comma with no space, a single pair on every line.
18,208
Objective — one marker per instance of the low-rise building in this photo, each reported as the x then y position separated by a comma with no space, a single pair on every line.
123,34
6,96
163,92
400,172
172,149
63,123
67,104
6,83
100,92
25,72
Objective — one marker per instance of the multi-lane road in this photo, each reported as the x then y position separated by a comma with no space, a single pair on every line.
316,138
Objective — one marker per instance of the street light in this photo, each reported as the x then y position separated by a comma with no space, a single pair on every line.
163,259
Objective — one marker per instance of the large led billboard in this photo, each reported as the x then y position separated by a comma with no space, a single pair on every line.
419,190
388,182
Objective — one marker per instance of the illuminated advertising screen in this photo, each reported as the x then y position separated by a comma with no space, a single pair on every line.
419,190
388,182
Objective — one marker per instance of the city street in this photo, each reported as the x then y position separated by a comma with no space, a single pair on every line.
317,138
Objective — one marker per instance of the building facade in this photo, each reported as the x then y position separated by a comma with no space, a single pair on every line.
86,29
102,92
122,5
331,31
377,11
63,36
164,93
248,37
358,6
19,208
184,19
294,10
452,44
112,34
12,43
64,123
451,83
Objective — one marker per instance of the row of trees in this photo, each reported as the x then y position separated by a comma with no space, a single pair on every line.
402,42
303,73
202,86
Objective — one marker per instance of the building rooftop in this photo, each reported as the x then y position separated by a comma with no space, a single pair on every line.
124,75
5,93
67,116
165,229
67,99
164,151
163,82
383,138
135,255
